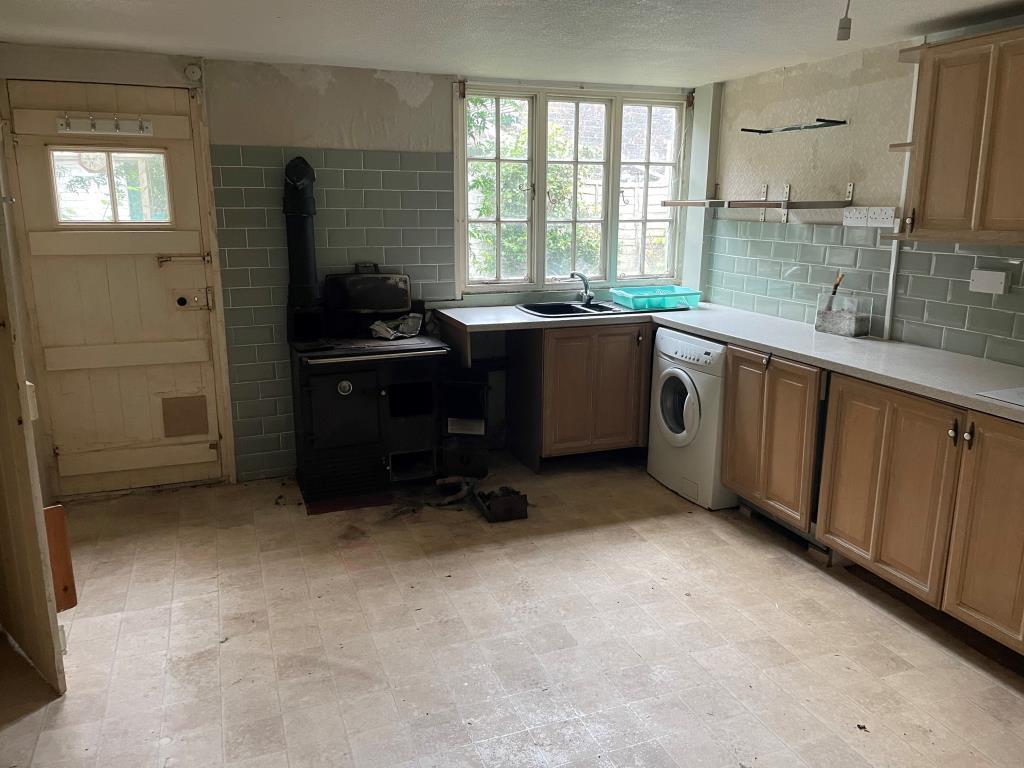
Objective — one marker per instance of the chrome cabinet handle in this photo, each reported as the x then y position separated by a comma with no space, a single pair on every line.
954,431
345,388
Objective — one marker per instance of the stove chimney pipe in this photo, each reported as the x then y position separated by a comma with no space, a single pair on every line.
304,315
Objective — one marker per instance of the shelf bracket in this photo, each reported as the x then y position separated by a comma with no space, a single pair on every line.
785,208
764,196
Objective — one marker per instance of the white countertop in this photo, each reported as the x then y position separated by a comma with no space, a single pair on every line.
509,318
934,373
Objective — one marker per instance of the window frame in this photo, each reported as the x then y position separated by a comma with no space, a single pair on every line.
541,95
108,152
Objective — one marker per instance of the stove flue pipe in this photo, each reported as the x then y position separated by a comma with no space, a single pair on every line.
304,317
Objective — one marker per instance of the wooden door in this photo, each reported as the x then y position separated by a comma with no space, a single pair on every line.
851,466
789,441
121,284
888,483
920,461
568,390
985,577
949,123
1002,207
618,400
743,427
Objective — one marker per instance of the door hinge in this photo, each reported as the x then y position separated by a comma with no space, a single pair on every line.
56,450
209,298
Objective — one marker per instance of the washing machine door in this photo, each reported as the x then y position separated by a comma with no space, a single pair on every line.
678,407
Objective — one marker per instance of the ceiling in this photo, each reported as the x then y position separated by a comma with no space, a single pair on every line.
644,42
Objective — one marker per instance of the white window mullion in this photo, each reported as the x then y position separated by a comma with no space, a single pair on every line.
614,196
497,190
540,197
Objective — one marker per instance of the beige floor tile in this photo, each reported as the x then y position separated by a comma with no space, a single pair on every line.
222,626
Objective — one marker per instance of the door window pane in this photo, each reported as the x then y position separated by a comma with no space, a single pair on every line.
103,186
631,191
140,181
656,248
82,186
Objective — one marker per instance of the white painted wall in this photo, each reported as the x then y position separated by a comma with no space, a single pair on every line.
317,106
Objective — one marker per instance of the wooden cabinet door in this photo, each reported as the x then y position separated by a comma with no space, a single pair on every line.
618,355
851,466
916,493
985,577
888,480
1002,206
950,119
743,426
789,441
568,390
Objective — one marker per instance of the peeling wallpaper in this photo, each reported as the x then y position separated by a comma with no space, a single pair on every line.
295,105
870,89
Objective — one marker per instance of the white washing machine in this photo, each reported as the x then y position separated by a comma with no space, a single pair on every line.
684,446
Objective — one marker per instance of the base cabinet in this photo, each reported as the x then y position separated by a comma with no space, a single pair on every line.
889,471
578,389
770,433
985,577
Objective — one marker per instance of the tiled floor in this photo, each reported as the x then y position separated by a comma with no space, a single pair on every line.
618,626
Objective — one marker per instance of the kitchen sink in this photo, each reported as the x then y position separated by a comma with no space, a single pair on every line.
563,308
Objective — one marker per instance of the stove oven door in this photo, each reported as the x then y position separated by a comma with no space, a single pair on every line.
345,408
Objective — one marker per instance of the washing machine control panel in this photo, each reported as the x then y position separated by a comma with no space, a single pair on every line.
706,355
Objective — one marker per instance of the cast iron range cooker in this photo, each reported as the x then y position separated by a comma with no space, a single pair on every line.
366,409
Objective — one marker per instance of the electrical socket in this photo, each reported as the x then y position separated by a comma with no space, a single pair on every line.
855,217
881,217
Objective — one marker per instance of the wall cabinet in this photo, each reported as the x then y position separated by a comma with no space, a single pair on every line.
770,433
889,472
967,158
985,577
578,389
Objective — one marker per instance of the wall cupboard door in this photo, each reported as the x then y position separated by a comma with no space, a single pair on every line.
985,577
888,483
1002,207
745,375
790,439
770,433
954,88
967,155
568,389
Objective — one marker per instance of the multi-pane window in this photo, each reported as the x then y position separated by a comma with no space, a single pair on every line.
499,188
603,162
95,186
575,189
648,162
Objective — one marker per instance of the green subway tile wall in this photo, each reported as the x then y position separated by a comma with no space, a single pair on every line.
779,269
394,209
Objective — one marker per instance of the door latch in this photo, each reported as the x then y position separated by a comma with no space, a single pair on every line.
192,299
